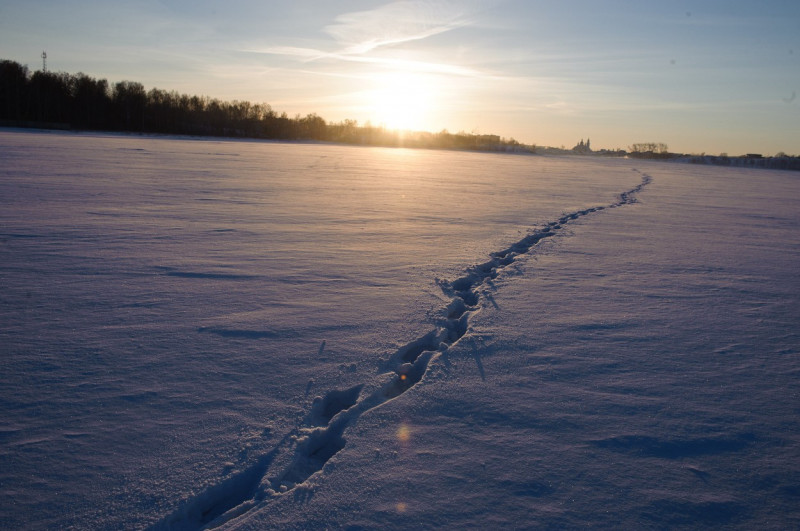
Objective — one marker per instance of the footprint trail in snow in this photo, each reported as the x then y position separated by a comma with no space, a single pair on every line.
281,472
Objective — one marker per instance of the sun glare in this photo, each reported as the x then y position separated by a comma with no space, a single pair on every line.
402,101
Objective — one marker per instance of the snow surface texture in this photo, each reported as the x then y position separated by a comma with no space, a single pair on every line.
243,335
338,410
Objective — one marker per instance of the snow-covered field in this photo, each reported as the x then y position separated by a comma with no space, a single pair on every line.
198,333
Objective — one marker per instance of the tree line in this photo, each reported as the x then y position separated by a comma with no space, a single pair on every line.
658,150
652,149
79,101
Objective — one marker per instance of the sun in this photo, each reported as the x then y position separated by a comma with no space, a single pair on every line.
402,101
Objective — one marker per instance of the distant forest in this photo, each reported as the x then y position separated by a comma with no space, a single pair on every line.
59,100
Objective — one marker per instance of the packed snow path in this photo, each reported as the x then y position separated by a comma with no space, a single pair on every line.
304,452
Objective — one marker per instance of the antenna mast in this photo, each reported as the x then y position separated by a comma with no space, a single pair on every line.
44,62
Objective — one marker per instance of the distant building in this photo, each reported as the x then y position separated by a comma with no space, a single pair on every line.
583,148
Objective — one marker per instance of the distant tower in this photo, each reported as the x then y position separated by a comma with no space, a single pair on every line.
44,62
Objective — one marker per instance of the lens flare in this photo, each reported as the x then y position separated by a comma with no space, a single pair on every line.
403,433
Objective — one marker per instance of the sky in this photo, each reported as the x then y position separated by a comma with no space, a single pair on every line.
708,76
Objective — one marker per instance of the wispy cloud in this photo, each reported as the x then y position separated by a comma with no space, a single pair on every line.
311,54
359,36
363,31
306,54
416,66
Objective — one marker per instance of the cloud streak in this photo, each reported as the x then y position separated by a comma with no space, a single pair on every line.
395,23
359,35
311,54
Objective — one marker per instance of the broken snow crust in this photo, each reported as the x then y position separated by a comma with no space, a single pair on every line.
203,334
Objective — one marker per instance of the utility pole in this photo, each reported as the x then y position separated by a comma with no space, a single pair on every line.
44,62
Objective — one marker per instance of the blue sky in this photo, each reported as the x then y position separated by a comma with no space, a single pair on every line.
703,76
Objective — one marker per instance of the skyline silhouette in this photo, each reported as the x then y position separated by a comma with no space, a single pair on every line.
708,77
59,100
